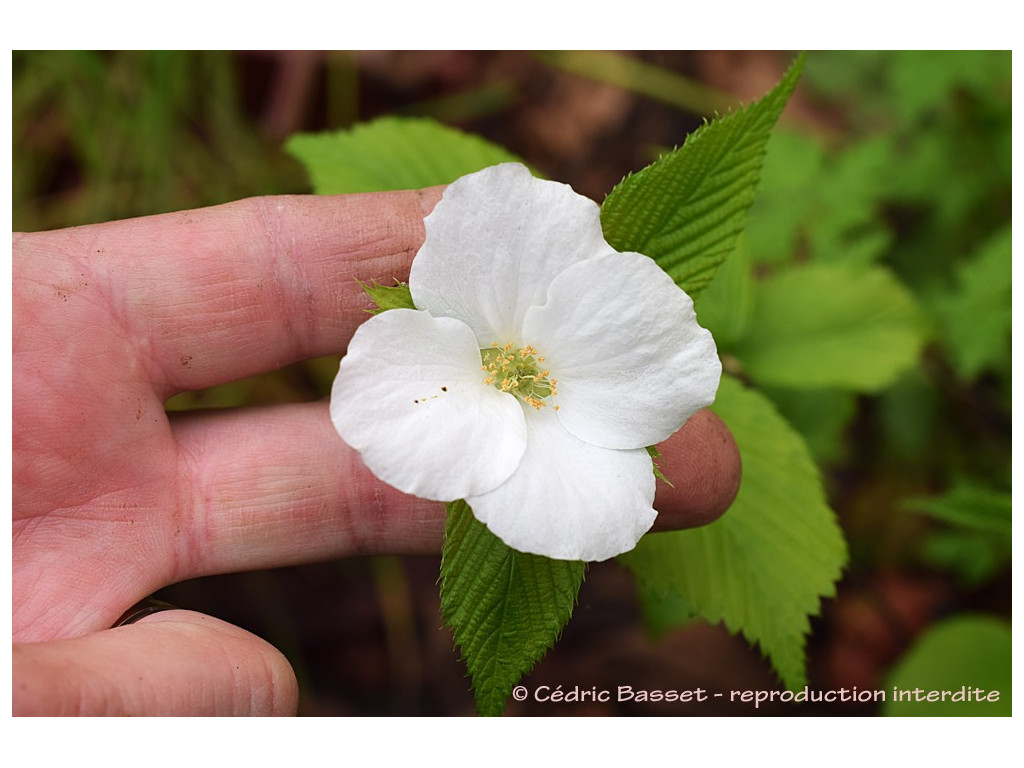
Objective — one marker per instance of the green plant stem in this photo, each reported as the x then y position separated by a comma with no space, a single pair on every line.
640,77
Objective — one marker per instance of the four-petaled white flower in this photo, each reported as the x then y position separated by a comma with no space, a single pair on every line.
538,367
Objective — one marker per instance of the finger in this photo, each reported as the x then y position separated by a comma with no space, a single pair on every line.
216,294
702,461
276,486
170,664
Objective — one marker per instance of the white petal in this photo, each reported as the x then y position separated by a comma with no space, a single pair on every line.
410,398
569,500
623,343
494,243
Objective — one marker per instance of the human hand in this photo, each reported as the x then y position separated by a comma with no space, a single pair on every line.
114,498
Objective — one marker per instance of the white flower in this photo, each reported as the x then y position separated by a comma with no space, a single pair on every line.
538,366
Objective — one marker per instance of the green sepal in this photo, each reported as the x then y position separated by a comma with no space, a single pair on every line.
505,608
655,455
385,297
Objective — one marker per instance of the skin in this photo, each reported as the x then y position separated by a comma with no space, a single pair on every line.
114,499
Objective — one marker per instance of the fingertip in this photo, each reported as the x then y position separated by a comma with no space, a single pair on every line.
702,461
173,663
429,197
259,677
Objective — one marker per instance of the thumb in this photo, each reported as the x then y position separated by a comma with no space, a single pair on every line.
172,663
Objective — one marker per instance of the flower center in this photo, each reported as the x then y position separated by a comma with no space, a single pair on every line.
517,370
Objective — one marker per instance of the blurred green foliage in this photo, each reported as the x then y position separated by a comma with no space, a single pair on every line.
976,541
101,135
911,175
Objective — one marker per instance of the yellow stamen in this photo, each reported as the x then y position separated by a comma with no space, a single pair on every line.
515,370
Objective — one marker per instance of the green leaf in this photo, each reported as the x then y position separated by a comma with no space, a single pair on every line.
387,297
972,507
820,415
976,317
973,557
910,414
826,326
845,224
961,654
664,611
505,608
686,209
392,153
828,205
764,566
788,197
978,542
926,81
725,306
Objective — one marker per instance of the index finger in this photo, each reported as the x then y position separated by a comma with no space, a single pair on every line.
233,290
